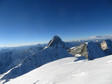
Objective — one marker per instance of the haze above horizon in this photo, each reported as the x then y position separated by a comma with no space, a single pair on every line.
37,21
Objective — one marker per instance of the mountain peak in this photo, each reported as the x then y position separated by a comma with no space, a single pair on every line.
89,50
56,36
56,41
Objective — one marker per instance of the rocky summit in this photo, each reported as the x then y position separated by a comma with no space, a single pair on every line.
56,41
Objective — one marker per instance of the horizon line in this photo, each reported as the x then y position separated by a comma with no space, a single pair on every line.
31,44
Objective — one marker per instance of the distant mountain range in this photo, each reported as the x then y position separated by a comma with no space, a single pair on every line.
101,37
15,62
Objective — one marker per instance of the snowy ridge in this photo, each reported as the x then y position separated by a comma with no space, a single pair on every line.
10,58
17,62
36,59
65,71
90,50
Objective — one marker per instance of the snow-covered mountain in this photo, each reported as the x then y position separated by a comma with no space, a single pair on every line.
56,42
15,62
90,50
102,37
53,51
10,58
66,71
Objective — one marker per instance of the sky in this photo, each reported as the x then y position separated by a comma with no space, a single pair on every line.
37,21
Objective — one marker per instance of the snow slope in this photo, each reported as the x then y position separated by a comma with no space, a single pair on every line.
11,57
53,51
66,71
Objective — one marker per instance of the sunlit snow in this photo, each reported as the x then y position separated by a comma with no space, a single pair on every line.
66,71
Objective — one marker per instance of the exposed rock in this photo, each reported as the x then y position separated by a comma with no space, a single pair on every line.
107,46
89,50
54,51
56,41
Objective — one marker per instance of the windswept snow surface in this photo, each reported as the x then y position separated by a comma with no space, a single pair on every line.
66,71
55,50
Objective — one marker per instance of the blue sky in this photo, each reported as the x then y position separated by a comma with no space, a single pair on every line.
37,21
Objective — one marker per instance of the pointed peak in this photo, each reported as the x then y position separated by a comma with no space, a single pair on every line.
56,41
56,37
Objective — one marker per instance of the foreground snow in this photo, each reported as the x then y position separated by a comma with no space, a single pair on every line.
66,71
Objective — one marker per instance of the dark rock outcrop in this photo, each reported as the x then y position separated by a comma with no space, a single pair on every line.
89,50
56,41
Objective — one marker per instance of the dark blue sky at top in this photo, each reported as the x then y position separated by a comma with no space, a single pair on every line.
37,21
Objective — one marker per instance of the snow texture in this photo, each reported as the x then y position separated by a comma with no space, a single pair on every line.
65,71
15,62
54,50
